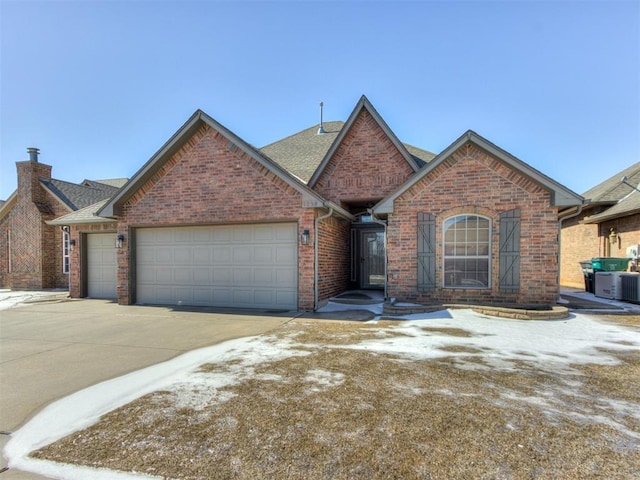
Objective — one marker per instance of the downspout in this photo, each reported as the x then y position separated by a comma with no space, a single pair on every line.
316,273
575,214
380,222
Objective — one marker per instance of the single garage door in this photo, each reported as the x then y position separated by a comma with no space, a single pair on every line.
251,266
101,265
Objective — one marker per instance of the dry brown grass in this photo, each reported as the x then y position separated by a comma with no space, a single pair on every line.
337,413
628,320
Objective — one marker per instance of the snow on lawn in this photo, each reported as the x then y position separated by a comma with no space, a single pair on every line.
497,343
18,298
548,344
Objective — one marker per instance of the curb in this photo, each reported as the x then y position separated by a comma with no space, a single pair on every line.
555,313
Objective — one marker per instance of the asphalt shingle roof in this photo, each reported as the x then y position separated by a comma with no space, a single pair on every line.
79,196
109,182
623,198
625,207
422,157
84,215
302,152
612,190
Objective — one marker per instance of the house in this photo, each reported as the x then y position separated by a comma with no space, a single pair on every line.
211,220
35,255
607,224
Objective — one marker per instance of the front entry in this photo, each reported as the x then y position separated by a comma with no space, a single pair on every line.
368,265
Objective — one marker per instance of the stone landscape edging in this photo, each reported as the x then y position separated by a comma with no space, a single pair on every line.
554,313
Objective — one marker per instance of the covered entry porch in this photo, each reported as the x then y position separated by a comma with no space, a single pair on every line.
351,257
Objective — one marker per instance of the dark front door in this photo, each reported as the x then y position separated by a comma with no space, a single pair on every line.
372,259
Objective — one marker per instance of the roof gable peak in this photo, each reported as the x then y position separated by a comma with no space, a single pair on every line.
562,196
363,104
197,120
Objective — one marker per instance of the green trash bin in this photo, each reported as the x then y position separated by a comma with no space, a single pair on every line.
609,264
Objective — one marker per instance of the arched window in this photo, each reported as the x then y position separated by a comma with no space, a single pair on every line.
467,252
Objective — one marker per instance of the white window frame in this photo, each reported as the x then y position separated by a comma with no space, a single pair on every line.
9,266
65,251
460,246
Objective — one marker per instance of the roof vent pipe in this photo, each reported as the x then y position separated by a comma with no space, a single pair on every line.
625,180
321,129
33,154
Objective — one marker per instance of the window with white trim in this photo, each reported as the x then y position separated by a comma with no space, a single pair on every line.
467,250
9,250
65,251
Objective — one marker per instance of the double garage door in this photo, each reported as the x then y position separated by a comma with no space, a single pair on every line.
251,266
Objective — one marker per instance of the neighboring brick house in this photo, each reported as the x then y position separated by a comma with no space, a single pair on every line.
211,220
587,233
35,255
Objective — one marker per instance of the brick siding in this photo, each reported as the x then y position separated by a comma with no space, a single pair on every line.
36,248
471,181
366,165
207,182
210,181
628,229
582,242
333,257
78,266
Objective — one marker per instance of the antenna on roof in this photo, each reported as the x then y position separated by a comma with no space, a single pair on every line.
625,180
321,129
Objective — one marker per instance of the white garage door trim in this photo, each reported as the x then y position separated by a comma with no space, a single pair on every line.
246,266
101,265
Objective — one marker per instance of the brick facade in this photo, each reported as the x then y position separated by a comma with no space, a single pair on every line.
210,181
333,257
471,181
32,250
628,229
366,165
204,178
77,274
580,242
584,241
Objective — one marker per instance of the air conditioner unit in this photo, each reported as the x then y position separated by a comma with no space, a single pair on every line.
609,285
630,287
633,251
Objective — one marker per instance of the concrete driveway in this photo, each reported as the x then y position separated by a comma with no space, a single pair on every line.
50,350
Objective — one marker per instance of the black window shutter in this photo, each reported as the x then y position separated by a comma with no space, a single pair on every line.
510,251
426,252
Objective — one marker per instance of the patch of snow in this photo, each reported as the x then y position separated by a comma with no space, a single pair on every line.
492,343
66,471
547,344
84,408
18,298
324,378
198,392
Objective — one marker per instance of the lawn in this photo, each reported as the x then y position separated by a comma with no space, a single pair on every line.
454,395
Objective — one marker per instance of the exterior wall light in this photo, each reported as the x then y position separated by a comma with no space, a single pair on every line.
304,237
72,244
119,240
613,236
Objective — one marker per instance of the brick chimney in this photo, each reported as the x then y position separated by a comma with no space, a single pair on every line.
29,175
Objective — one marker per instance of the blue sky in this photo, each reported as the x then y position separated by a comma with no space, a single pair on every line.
99,86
